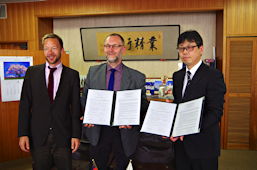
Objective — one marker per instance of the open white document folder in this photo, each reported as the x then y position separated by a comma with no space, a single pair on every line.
99,104
127,107
98,107
160,117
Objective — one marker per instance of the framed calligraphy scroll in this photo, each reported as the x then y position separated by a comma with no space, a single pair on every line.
156,42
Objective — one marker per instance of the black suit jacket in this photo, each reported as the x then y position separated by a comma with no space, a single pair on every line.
206,82
131,79
37,114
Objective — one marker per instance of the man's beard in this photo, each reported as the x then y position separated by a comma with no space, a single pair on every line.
114,60
57,59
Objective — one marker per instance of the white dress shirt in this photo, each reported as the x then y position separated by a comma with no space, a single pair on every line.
192,71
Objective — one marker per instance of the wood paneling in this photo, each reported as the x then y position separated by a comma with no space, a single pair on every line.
9,149
240,70
238,123
45,26
253,117
100,7
241,17
240,108
14,45
19,25
219,39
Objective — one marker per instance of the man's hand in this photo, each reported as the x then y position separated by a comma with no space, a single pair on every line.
89,125
174,139
168,101
125,127
24,143
75,142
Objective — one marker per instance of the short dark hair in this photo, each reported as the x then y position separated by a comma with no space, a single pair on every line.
52,35
118,35
190,36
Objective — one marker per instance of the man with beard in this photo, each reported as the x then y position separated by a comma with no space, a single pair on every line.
122,140
49,113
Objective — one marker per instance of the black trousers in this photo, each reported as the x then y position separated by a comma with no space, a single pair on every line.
109,149
49,155
183,162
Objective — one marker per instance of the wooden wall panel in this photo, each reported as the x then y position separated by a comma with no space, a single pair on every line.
241,17
240,108
45,26
240,67
19,25
99,7
238,123
9,149
253,128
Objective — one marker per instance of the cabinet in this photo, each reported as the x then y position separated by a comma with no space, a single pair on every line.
240,128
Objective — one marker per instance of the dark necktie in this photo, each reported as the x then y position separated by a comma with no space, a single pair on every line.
111,80
188,78
51,84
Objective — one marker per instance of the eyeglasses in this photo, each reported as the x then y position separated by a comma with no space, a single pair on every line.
114,46
50,48
189,48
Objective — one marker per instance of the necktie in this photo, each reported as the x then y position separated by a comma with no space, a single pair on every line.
111,80
188,82
188,78
51,84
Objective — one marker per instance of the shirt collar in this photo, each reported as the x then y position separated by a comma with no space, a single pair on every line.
117,68
194,69
59,66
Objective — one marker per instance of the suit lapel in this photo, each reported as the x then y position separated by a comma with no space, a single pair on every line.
102,76
42,82
125,81
197,77
179,86
62,82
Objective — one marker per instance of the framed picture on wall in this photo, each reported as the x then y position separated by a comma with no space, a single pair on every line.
155,42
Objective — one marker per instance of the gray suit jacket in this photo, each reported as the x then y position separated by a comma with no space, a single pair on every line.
131,79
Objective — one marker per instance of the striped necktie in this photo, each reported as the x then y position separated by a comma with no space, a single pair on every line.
188,78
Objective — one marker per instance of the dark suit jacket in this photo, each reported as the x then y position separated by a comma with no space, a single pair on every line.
37,114
206,82
131,79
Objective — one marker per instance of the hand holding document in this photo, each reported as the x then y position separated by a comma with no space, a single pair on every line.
160,117
98,109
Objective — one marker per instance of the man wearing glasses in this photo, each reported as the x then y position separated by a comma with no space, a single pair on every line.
201,150
122,140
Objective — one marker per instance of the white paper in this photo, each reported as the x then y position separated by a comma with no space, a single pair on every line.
159,118
12,72
127,107
98,107
188,118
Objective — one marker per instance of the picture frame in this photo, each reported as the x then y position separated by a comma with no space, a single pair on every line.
151,42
